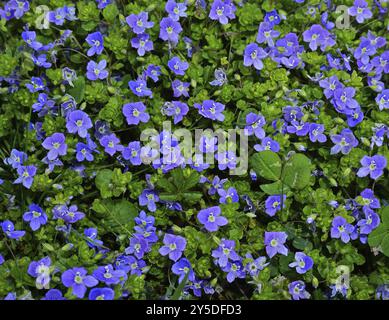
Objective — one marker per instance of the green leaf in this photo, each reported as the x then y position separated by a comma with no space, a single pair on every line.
379,238
166,185
191,181
177,293
274,188
110,12
297,172
168,197
178,179
116,213
192,196
385,216
104,182
78,91
302,244
267,164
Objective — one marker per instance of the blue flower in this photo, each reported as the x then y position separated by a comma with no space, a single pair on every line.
211,218
220,78
96,41
108,275
177,66
266,34
316,133
173,246
111,143
9,229
35,85
78,279
138,246
297,290
135,112
153,72
254,125
360,10
228,196
139,88
41,61
53,294
176,10
254,266
169,30
149,198
183,267
132,153
370,221
211,109
180,88
253,55
222,11
16,158
373,166
177,109
274,242
139,22
26,175
35,216
56,145
302,262
341,229
96,71
78,122
234,270
91,234
317,36
41,271
344,142
273,204
272,18
101,294
142,43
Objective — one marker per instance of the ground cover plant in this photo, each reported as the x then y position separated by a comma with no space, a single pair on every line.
217,149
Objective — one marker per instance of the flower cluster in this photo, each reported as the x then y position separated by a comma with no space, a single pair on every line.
121,173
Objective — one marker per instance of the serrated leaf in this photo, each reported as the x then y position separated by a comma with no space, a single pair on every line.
178,178
267,164
166,185
191,181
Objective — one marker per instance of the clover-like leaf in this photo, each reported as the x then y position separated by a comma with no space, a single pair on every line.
116,214
297,172
275,188
379,237
267,164
78,91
